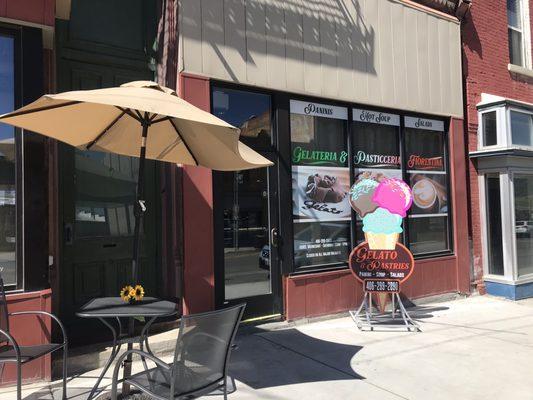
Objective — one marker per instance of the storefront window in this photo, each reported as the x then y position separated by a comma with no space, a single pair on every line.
522,128
320,185
523,204
377,143
425,160
375,149
494,224
8,231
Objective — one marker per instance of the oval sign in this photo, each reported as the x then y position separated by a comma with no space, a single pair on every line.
397,264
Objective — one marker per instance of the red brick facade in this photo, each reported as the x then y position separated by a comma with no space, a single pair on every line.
485,68
30,330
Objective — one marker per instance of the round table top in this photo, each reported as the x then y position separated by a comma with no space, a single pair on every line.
108,307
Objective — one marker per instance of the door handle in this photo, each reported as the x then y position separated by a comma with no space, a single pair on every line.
67,234
274,237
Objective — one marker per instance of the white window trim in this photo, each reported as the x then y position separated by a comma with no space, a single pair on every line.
504,135
500,128
525,32
507,214
510,133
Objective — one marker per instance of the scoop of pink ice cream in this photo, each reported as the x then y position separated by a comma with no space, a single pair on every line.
393,195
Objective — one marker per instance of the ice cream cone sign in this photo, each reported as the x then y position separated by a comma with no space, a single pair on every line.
381,263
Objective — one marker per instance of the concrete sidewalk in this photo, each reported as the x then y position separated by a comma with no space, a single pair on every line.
476,348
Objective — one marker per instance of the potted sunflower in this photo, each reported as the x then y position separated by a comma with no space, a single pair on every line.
132,294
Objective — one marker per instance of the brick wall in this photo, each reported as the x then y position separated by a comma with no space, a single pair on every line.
485,61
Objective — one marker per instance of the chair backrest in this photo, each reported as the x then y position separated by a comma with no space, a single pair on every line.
4,318
203,347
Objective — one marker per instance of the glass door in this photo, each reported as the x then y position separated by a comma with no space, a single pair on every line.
246,214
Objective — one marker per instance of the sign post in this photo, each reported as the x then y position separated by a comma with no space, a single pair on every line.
381,272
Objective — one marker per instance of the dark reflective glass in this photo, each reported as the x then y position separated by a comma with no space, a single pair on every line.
489,128
515,47
8,230
428,234
105,186
523,205
248,111
494,224
246,197
522,128
514,18
376,146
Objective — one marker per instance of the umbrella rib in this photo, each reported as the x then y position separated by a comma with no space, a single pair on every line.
139,115
163,119
183,140
130,113
44,108
88,147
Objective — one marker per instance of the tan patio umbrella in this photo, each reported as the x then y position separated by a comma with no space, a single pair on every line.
140,119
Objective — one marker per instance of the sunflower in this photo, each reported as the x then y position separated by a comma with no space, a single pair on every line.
125,293
137,293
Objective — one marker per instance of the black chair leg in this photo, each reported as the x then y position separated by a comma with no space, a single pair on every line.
226,388
65,358
19,381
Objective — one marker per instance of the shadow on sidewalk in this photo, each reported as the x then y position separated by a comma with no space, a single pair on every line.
275,358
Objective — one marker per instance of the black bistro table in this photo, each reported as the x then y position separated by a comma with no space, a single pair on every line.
109,310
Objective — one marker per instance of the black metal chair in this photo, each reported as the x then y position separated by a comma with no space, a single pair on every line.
200,361
12,352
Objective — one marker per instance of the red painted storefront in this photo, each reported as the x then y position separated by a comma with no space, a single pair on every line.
30,330
315,294
305,295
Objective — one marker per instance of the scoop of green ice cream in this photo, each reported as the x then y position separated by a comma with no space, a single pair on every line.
361,197
382,221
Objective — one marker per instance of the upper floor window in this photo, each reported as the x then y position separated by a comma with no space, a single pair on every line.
518,30
506,126
521,128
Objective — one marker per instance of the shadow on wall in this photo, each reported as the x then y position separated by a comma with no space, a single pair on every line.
334,35
471,41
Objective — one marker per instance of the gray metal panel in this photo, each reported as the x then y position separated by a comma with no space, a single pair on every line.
380,52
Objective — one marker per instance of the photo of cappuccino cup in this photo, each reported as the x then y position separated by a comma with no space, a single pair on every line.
424,194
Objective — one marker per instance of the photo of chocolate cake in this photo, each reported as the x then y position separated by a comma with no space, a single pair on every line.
324,189
321,193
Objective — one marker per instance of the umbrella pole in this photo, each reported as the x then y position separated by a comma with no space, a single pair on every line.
139,210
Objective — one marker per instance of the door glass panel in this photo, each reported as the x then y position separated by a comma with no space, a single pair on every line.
523,204
246,233
246,194
7,164
494,224
105,186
